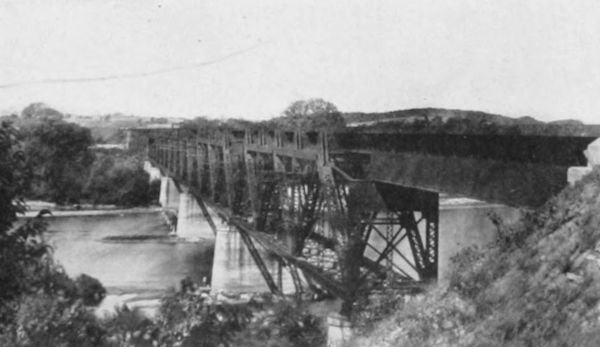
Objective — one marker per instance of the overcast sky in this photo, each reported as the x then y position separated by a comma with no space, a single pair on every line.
252,58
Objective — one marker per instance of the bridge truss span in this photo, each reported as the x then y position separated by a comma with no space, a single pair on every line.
282,192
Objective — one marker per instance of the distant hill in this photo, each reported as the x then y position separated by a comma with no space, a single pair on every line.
437,120
106,128
430,113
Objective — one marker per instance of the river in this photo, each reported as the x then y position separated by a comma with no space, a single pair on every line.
136,260
130,253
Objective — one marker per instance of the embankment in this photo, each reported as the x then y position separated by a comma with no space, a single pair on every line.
538,285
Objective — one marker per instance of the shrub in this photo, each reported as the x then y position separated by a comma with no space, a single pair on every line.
47,320
189,318
120,180
90,290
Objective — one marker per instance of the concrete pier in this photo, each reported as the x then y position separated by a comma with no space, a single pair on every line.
152,171
592,153
234,269
191,222
169,194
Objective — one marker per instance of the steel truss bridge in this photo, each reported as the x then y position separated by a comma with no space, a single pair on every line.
284,190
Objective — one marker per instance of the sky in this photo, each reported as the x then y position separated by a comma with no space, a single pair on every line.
251,59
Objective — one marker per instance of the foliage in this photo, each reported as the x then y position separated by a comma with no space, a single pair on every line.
376,306
63,169
443,121
39,304
190,319
286,324
311,114
129,327
90,290
119,179
58,154
14,176
50,320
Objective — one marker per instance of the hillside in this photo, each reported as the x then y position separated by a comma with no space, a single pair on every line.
444,114
438,120
105,128
538,285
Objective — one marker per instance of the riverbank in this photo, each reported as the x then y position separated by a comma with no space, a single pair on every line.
81,210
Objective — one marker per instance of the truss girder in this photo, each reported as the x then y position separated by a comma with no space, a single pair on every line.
280,190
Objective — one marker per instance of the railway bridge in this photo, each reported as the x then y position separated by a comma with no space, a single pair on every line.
372,200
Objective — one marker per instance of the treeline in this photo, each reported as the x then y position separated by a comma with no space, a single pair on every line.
61,167
308,115
564,151
427,121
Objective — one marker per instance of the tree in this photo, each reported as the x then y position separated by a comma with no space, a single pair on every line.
14,177
59,156
39,304
312,114
120,180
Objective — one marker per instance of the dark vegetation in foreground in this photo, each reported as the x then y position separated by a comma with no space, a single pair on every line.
538,285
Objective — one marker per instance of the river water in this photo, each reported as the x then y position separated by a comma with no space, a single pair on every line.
136,260
131,254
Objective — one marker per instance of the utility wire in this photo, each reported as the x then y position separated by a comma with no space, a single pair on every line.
132,74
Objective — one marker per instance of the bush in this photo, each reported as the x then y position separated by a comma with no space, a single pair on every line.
189,318
90,290
47,320
285,324
120,180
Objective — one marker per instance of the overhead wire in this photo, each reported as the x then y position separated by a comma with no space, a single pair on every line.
132,75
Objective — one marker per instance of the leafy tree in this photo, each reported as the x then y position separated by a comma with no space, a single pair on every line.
59,156
312,114
120,180
14,177
39,304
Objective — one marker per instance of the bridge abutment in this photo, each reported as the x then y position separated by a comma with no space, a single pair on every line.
592,153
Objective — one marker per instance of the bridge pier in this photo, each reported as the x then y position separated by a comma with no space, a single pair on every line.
169,193
235,270
592,153
191,222
152,171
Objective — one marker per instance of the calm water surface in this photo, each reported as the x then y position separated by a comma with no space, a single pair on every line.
105,247
138,272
